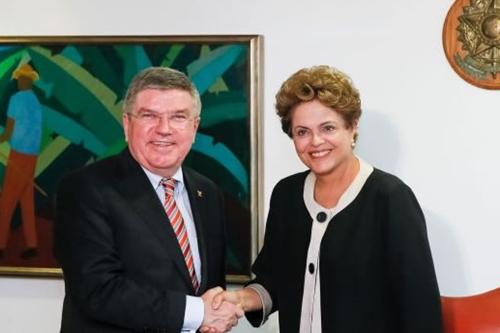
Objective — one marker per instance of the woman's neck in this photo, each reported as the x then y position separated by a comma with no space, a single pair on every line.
329,188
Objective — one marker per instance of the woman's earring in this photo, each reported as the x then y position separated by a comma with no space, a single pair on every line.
353,144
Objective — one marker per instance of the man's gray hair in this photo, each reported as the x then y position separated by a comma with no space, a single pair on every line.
161,78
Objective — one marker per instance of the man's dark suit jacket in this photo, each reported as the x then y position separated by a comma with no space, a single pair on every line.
122,265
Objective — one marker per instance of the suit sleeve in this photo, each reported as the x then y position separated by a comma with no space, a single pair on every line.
223,254
409,264
263,265
95,278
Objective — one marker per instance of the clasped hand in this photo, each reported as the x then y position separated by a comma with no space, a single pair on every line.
222,311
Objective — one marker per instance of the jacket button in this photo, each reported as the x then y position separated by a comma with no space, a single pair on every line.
321,217
311,268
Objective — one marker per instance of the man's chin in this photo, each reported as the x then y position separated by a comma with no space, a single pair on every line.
165,166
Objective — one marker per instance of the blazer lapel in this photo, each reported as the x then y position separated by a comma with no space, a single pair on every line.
138,192
196,198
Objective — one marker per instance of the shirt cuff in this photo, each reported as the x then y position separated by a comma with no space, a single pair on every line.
193,316
265,299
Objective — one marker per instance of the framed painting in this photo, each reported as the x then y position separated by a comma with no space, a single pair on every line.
79,84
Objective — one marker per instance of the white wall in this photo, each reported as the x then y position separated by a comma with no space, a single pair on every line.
421,121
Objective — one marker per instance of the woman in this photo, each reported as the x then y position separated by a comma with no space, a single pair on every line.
345,248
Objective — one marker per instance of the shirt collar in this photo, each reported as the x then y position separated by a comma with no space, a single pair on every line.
155,179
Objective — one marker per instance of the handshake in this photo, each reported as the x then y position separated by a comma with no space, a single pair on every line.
223,308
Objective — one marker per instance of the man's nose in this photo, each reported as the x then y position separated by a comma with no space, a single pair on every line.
163,124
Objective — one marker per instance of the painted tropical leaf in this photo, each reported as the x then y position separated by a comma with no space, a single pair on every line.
70,52
172,54
4,151
7,66
50,153
114,148
7,48
222,113
219,85
223,107
101,62
92,103
134,59
205,71
204,144
72,131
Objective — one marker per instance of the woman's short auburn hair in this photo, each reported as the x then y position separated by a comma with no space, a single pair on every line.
328,85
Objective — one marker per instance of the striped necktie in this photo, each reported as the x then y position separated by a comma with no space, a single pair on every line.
177,222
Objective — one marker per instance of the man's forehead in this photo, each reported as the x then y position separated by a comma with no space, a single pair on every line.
167,97
179,111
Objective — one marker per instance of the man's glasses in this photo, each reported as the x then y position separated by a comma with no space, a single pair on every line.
177,120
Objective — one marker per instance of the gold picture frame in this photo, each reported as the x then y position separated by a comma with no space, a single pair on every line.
78,70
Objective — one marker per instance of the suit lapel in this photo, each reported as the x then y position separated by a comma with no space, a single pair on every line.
196,198
138,192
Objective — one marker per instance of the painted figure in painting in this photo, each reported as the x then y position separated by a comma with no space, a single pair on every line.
23,130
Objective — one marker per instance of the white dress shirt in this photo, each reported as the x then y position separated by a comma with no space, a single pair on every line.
193,316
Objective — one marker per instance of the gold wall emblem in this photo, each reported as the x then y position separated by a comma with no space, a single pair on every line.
471,40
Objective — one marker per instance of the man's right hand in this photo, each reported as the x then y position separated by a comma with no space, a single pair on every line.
246,298
222,319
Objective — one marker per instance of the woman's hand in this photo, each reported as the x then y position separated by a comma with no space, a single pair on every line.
247,298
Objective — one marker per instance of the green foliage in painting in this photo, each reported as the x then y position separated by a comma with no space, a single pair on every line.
81,89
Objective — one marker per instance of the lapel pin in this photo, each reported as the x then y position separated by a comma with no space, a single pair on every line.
200,193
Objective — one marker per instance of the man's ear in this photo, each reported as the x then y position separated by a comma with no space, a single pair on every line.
125,120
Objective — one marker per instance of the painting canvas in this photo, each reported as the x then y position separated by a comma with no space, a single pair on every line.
77,86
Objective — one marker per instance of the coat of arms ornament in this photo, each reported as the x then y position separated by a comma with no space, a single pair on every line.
471,40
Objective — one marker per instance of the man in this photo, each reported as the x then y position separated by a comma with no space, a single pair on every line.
121,223
24,132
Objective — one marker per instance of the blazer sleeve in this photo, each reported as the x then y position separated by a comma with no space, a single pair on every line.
95,278
263,265
409,264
